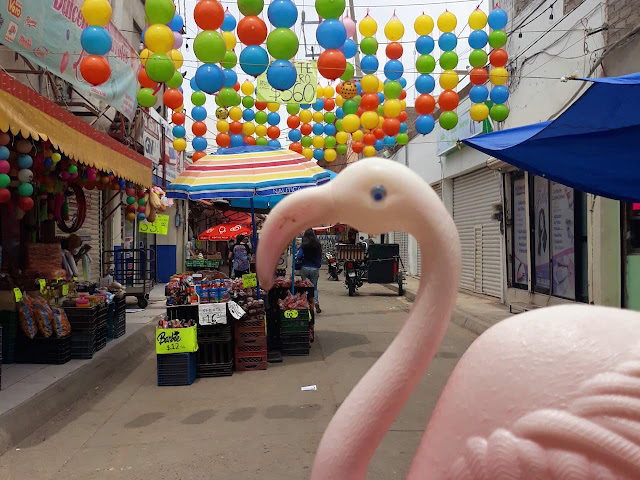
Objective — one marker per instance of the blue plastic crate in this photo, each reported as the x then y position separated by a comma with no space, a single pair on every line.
176,369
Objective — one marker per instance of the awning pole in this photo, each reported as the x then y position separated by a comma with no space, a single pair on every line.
254,242
293,266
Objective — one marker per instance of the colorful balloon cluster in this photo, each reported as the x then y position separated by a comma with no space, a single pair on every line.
425,103
331,35
448,100
282,44
209,46
96,41
498,58
349,48
252,31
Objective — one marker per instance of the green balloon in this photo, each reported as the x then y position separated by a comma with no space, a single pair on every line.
131,200
497,39
250,7
392,89
248,102
142,202
499,112
330,141
306,141
230,59
198,98
25,190
381,110
262,141
73,169
357,99
330,8
341,149
227,96
339,126
146,98
369,45
329,117
159,11
4,180
176,80
425,64
218,101
237,99
209,47
261,117
448,60
402,139
478,58
350,106
448,120
348,73
282,43
160,68
293,108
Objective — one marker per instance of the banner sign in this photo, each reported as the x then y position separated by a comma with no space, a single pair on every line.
159,227
176,340
47,33
303,91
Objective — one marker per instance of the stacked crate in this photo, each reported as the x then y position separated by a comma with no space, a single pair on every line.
251,341
119,316
101,327
52,350
9,323
176,369
294,332
215,351
84,329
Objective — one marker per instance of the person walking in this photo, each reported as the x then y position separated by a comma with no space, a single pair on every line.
241,255
230,246
309,259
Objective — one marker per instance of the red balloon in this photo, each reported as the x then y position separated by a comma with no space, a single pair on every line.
5,195
172,98
306,129
178,118
236,87
357,147
425,104
249,140
208,14
394,50
293,121
95,69
296,147
331,63
391,126
360,111
498,57
198,155
403,116
199,129
223,139
235,128
370,101
369,139
338,87
448,100
25,203
478,76
403,95
379,133
273,132
252,31
261,105
329,104
144,80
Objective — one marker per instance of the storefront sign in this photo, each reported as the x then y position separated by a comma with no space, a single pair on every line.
47,33
152,136
176,340
541,229
562,241
212,314
159,227
520,232
303,91
249,280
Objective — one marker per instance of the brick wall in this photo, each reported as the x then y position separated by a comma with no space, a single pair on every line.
570,5
622,17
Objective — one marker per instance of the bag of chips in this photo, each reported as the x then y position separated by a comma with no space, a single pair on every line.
61,325
26,317
43,316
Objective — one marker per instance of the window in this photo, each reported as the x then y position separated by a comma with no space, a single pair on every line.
541,235
520,262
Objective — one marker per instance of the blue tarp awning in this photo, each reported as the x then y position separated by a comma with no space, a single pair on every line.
593,146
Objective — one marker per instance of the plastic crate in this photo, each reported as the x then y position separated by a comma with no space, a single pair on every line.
9,323
176,369
53,350
102,315
119,326
251,349
183,312
250,323
296,351
215,370
294,338
250,338
210,353
215,333
83,344
246,362
101,338
82,319
300,324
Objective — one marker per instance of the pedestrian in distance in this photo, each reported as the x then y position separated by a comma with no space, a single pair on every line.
241,256
309,260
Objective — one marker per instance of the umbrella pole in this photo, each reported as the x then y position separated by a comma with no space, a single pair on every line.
254,241
293,266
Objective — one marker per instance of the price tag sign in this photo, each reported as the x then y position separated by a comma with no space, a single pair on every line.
18,295
236,310
249,280
303,91
65,289
212,314
43,285
159,227
291,314
176,340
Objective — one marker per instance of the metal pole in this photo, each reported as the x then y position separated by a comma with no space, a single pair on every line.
352,11
293,266
255,243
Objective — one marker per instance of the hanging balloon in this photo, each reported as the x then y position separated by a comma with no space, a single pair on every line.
350,26
498,19
209,47
208,14
350,48
96,69
478,58
479,94
332,64
283,44
368,26
209,78
448,120
478,39
499,112
282,13
425,64
479,112
369,64
394,29
447,22
331,34
96,40
146,98
254,60
499,94
369,46
160,68
252,31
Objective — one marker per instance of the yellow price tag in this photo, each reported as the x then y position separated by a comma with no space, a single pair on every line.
176,340
65,289
18,295
43,285
75,279
159,227
291,314
249,280
303,91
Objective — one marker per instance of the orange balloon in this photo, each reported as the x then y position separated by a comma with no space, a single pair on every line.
252,31
249,140
448,100
208,14
369,139
370,101
379,133
403,95
394,50
178,118
498,57
198,155
391,126
329,104
236,87
293,121
172,98
235,128
296,147
199,129
425,104
95,69
273,132
403,116
357,147
331,64
478,76
223,139
306,129
144,80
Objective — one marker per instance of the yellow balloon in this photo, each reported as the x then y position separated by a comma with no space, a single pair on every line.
177,58
261,130
339,100
369,120
318,117
180,144
369,151
498,76
273,107
159,38
330,155
392,108
447,22
318,142
479,112
229,40
351,123
329,92
380,86
423,24
369,83
97,12
248,128
235,113
394,30
380,122
342,137
403,104
477,19
368,26
448,79
357,136
319,91
305,116
307,152
222,126
180,108
144,56
247,87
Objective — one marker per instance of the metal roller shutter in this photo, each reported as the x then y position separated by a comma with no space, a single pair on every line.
402,239
437,187
474,197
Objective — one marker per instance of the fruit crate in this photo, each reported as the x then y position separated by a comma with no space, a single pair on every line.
102,315
248,322
214,359
176,369
82,319
251,361
215,333
101,338
251,336
52,350
119,326
298,324
83,344
251,349
295,343
9,323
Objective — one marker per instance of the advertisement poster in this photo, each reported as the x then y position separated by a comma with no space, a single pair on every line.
562,242
303,91
47,33
520,232
541,230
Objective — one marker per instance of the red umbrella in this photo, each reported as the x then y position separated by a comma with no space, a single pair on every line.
224,232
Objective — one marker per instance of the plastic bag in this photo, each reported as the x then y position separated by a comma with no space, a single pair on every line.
61,325
26,317
43,316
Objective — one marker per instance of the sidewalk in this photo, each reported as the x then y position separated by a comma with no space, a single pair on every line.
474,312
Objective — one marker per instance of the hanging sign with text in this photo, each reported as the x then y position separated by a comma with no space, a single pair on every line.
159,227
303,91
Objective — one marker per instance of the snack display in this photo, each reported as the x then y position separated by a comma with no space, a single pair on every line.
26,317
299,301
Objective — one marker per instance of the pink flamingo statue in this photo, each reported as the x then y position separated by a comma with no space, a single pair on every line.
549,394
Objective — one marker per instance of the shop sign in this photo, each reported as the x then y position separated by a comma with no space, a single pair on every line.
212,314
159,227
303,91
562,241
520,232
151,133
466,128
176,340
47,33
249,280
173,159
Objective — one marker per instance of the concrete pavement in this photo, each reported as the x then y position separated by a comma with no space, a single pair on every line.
254,425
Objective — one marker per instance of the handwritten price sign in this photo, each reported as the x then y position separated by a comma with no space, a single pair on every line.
303,91
159,227
176,340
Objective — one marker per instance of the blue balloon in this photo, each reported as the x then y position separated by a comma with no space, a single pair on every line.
393,69
381,97
237,140
48,163
350,48
478,39
274,144
378,145
403,82
199,114
498,19
425,44
389,141
499,94
194,85
369,64
329,129
230,77
282,13
25,161
177,23
199,144
254,60
318,154
318,129
331,34
318,105
281,74
425,124
403,127
359,87
96,40
305,106
229,22
121,183
142,217
478,94
4,153
144,32
295,135
425,83
273,118
339,112
179,131
248,115
447,41
209,78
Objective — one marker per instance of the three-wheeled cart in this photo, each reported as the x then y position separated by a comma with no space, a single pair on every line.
380,263
134,269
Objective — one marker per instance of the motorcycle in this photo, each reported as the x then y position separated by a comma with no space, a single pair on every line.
353,276
334,267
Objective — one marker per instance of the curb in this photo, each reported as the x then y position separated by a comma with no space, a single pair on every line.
20,422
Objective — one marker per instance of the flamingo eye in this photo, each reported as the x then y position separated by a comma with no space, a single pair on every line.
378,193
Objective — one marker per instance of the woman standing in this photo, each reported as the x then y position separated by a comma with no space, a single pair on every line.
241,256
309,259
